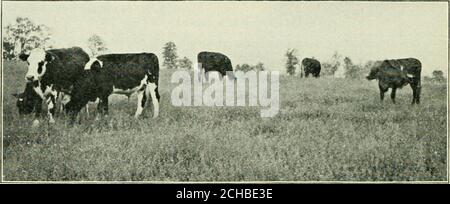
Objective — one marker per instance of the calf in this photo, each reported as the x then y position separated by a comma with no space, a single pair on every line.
117,74
397,73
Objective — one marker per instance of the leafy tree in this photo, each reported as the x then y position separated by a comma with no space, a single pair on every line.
291,61
8,50
331,66
351,70
259,67
96,45
438,75
170,55
185,63
24,35
243,67
246,67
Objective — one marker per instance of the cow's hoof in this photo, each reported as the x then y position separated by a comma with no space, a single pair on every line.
35,123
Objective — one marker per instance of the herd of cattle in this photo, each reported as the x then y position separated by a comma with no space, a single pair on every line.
70,73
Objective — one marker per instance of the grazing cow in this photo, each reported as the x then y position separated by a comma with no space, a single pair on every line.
311,66
117,74
53,71
214,61
396,73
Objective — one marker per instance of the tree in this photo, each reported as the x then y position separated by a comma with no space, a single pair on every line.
438,75
243,67
96,45
259,67
246,67
351,70
170,55
185,63
8,50
24,35
291,61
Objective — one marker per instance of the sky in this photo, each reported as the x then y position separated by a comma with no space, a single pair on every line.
252,32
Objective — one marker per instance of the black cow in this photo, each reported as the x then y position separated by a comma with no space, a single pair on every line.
214,61
28,101
311,66
396,73
117,74
51,72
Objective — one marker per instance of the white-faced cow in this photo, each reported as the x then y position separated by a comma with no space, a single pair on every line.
51,72
117,74
214,61
396,73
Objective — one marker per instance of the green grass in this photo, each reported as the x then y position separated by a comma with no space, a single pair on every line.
327,130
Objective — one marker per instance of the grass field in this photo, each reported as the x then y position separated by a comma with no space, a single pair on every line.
327,130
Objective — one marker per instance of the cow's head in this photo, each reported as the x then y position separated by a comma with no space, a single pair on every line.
37,63
374,73
27,100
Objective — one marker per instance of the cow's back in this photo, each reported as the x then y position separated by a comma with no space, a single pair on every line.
122,70
311,63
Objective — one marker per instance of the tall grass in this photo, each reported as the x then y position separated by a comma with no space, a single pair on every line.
326,130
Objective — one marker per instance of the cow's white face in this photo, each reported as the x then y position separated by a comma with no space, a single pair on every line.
36,64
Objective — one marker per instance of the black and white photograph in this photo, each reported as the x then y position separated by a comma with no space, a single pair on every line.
224,91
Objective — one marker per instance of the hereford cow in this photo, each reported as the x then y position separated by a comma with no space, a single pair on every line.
50,72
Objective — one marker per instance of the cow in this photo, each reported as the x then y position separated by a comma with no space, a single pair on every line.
28,101
396,73
117,74
215,61
311,66
51,72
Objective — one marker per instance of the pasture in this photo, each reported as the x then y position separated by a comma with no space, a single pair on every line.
326,130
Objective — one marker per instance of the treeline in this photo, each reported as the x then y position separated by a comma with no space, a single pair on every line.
24,35
337,66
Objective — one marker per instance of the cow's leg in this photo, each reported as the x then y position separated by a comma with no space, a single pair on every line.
152,91
103,106
416,91
87,109
416,88
306,74
206,76
51,103
393,94
140,103
38,109
382,91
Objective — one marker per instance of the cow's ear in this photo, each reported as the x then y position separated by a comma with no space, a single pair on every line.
49,57
16,95
23,57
